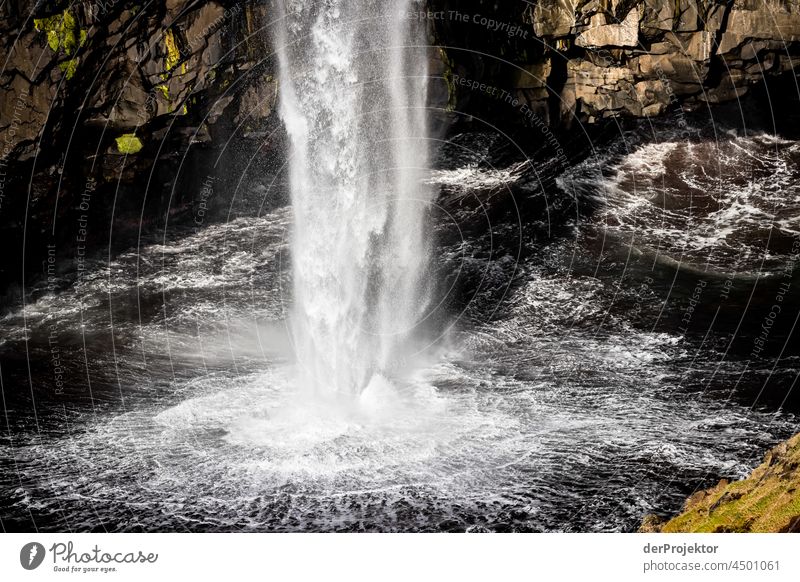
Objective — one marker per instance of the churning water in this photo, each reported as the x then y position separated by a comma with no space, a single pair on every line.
562,402
353,99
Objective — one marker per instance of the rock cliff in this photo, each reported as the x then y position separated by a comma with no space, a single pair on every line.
120,113
586,60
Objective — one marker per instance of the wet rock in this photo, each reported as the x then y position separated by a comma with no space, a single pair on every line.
258,102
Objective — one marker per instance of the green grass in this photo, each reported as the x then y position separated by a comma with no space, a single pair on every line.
767,501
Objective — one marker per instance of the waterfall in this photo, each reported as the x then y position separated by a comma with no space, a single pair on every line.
353,83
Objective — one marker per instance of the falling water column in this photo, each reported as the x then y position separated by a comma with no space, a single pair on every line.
353,81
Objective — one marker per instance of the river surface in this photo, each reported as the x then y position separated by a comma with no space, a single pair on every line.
579,379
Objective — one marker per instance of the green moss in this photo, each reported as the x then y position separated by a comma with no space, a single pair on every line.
63,34
69,67
128,143
767,501
173,53
164,90
53,41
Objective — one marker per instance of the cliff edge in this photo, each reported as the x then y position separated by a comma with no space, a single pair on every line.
767,501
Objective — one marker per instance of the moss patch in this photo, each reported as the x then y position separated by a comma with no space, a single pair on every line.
69,67
767,501
128,143
173,52
63,34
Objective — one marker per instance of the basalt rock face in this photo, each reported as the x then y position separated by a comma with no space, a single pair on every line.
586,60
119,114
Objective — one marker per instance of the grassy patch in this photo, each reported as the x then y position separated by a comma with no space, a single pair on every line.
767,501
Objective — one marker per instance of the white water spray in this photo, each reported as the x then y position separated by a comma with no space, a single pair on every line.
353,80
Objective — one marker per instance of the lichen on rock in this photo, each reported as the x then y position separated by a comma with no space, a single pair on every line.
128,143
63,34
173,52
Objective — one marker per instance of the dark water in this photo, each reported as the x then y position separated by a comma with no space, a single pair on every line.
604,357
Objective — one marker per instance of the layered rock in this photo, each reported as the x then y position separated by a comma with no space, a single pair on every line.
635,58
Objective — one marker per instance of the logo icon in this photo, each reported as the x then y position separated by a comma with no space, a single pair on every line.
31,555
